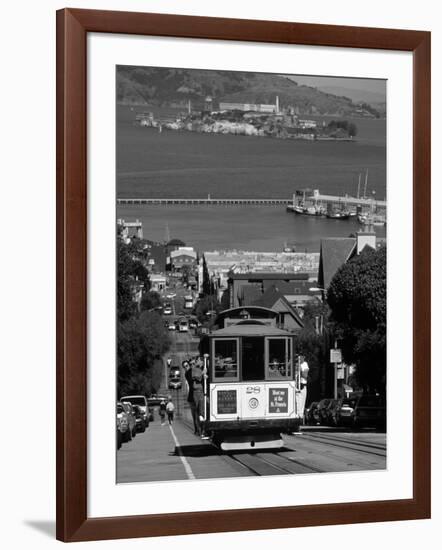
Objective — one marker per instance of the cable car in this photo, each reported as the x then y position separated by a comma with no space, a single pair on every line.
252,389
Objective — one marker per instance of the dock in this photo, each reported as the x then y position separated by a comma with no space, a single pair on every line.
334,200
202,201
350,201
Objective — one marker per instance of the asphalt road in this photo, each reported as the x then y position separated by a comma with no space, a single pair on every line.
172,452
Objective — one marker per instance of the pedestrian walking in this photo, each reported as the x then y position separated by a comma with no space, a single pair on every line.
170,408
162,411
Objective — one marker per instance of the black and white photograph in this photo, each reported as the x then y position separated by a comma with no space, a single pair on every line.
251,261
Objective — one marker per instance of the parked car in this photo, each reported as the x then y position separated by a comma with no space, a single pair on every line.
167,309
369,411
141,401
140,421
322,411
310,418
123,431
342,411
171,326
130,417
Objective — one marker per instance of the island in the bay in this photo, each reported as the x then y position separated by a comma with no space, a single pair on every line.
225,102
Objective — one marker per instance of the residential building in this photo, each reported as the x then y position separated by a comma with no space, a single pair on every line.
247,287
155,256
157,282
288,316
129,230
183,256
335,252
220,263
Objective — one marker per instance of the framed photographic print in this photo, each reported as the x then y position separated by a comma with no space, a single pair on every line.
243,280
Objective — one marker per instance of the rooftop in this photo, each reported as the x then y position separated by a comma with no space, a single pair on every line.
269,276
334,253
247,328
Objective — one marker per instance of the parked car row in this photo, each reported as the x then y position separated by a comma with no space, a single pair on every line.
133,416
354,412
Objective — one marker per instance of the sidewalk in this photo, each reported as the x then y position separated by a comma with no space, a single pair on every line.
155,454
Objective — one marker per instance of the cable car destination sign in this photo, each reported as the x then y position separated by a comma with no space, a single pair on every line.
278,400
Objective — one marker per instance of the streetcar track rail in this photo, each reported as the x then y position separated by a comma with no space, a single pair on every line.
378,446
353,446
299,463
237,458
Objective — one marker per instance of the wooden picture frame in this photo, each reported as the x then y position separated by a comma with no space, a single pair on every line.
73,523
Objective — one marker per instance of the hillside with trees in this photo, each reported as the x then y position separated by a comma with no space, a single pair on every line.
175,87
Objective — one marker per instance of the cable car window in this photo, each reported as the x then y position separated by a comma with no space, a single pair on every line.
278,358
225,354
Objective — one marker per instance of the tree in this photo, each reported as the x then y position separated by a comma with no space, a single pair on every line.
207,282
313,342
357,299
130,271
205,304
126,307
142,341
150,300
352,129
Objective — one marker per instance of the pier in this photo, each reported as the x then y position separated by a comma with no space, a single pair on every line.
203,201
349,201
335,200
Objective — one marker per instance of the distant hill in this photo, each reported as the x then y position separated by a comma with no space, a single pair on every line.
174,87
358,96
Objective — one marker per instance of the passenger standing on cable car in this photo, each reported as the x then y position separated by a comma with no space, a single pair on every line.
190,387
303,379
198,375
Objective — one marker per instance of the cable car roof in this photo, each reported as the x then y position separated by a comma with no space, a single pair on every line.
250,329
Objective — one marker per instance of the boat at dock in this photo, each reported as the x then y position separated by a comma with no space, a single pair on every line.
338,215
372,219
309,210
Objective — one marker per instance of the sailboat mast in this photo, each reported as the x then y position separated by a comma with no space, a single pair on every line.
366,182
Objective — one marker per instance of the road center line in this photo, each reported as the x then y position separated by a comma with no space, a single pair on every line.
186,465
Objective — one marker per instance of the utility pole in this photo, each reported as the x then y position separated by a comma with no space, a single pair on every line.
335,358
